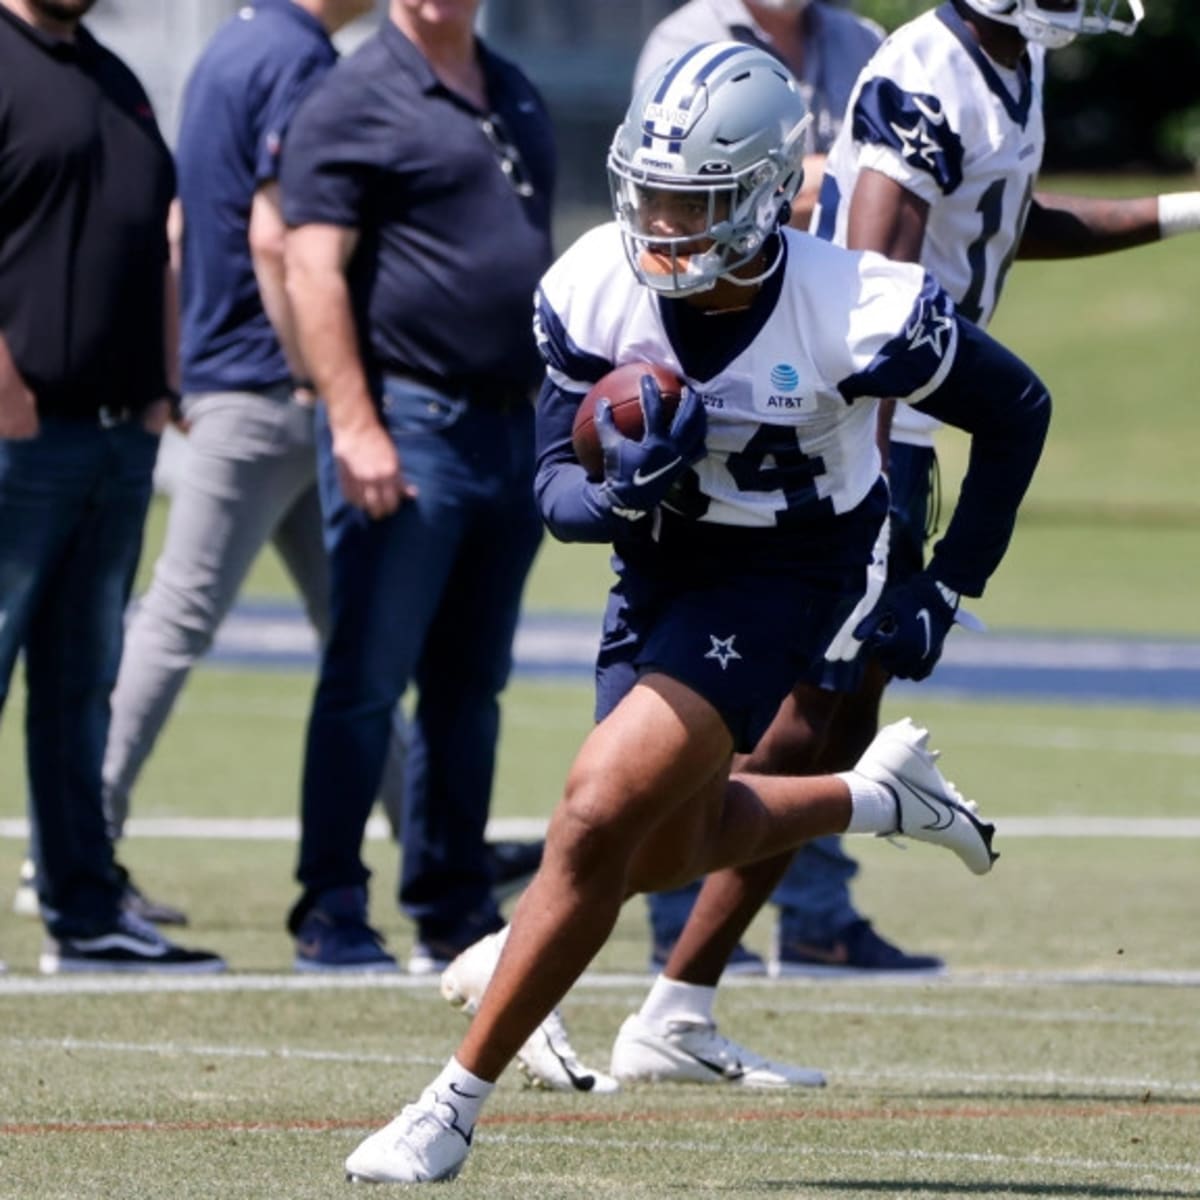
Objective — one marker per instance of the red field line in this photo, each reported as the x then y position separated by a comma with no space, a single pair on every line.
1038,1111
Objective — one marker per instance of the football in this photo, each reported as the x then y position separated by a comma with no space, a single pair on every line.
623,388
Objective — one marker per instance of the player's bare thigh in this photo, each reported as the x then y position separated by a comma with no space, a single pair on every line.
646,786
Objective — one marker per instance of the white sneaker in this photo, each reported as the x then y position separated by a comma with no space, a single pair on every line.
424,1144
695,1052
547,1059
928,808
466,978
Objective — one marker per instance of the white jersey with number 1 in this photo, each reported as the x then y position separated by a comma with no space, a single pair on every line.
934,113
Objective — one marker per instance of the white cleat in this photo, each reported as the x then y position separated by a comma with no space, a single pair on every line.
424,1144
465,980
695,1052
547,1059
928,807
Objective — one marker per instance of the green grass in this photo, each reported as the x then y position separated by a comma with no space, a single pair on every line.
995,1082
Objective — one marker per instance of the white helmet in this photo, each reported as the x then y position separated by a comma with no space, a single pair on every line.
724,123
1055,23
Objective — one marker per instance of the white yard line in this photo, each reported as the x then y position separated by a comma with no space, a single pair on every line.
1136,1086
287,829
633,984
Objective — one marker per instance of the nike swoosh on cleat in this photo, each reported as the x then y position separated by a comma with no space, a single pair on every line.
943,817
581,1083
729,1071
639,479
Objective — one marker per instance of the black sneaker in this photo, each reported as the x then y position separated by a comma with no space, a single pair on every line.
856,950
513,865
135,901
130,945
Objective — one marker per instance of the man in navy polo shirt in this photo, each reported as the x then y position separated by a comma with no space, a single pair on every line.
248,469
85,185
417,181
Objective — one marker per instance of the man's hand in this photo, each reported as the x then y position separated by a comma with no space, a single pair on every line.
157,416
18,407
906,629
639,474
369,470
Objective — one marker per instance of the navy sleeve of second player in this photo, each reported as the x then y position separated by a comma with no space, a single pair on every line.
1005,407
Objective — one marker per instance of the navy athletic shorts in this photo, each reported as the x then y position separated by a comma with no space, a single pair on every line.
741,638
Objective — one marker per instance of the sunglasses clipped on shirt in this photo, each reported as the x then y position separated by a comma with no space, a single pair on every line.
508,157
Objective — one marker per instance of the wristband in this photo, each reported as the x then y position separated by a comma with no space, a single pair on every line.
1178,212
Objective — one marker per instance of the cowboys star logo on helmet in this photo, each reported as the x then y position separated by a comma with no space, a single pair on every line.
719,131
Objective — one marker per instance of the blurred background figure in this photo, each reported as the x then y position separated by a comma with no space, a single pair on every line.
86,364
417,183
247,471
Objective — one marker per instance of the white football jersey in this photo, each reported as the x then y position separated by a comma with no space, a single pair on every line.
937,115
791,415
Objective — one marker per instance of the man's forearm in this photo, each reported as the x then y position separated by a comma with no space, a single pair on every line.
1062,226
328,343
267,234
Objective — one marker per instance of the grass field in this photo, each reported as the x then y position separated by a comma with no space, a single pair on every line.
1060,1057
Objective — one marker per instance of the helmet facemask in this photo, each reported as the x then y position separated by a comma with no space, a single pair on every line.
1056,23
705,165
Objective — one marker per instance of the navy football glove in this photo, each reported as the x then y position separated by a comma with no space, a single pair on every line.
639,474
906,629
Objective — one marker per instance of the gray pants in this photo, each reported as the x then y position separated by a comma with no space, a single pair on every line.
247,475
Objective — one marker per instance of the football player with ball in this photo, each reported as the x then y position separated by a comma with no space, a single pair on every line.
746,529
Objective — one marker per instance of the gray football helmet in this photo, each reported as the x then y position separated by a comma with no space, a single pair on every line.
1055,23
723,126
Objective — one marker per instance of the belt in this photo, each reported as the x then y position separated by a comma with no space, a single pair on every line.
107,416
481,392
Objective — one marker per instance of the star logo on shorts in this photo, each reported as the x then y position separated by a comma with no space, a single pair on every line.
722,649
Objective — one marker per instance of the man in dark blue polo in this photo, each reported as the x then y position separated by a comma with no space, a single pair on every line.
247,473
85,185
417,181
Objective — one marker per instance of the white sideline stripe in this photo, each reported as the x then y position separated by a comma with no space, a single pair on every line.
287,829
633,984
1137,1086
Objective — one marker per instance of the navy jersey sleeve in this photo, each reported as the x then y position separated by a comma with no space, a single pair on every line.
1005,407
912,124
571,505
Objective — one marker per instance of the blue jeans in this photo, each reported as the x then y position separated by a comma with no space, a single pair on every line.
73,503
429,595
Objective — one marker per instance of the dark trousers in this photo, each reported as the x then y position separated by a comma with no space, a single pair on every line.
72,507
429,595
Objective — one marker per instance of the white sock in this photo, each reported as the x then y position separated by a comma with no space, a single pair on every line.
872,806
670,1000
469,1092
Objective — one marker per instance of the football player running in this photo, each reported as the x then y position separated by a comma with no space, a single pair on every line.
746,534
936,163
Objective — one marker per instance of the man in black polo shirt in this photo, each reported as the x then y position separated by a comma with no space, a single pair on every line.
85,184
417,178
